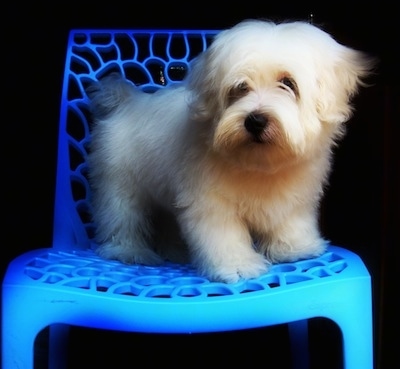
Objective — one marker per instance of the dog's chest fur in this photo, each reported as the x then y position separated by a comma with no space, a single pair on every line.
256,197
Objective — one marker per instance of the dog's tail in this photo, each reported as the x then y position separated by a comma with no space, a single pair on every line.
108,94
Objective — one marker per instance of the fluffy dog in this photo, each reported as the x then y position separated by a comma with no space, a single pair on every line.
229,167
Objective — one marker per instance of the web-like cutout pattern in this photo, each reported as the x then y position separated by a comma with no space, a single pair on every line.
150,59
85,270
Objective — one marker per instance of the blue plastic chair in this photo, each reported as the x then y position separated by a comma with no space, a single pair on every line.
69,284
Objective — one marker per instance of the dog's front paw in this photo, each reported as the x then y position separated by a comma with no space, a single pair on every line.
233,269
280,252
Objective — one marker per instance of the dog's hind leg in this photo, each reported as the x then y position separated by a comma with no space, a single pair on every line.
123,228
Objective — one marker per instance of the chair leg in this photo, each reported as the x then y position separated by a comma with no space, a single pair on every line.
18,347
298,332
355,322
58,343
358,340
19,331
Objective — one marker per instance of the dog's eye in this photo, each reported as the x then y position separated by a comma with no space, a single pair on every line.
238,91
243,87
287,82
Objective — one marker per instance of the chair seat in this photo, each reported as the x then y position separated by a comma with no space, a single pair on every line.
173,298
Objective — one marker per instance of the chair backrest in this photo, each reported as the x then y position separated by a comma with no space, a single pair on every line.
149,58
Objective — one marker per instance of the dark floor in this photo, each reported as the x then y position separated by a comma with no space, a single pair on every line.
265,347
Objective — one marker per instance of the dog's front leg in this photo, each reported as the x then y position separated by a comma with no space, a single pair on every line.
220,243
296,237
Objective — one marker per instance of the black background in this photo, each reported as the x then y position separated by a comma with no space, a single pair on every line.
361,206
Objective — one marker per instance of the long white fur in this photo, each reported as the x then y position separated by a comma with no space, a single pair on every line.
234,204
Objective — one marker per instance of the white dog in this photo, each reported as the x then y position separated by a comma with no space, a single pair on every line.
231,164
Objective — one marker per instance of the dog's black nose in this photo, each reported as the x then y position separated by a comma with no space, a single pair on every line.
255,124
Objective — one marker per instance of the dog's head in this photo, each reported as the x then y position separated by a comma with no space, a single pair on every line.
274,92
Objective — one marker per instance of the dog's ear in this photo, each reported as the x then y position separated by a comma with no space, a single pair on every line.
201,81
339,81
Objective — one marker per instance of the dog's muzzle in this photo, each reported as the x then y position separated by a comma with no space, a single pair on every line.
256,124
